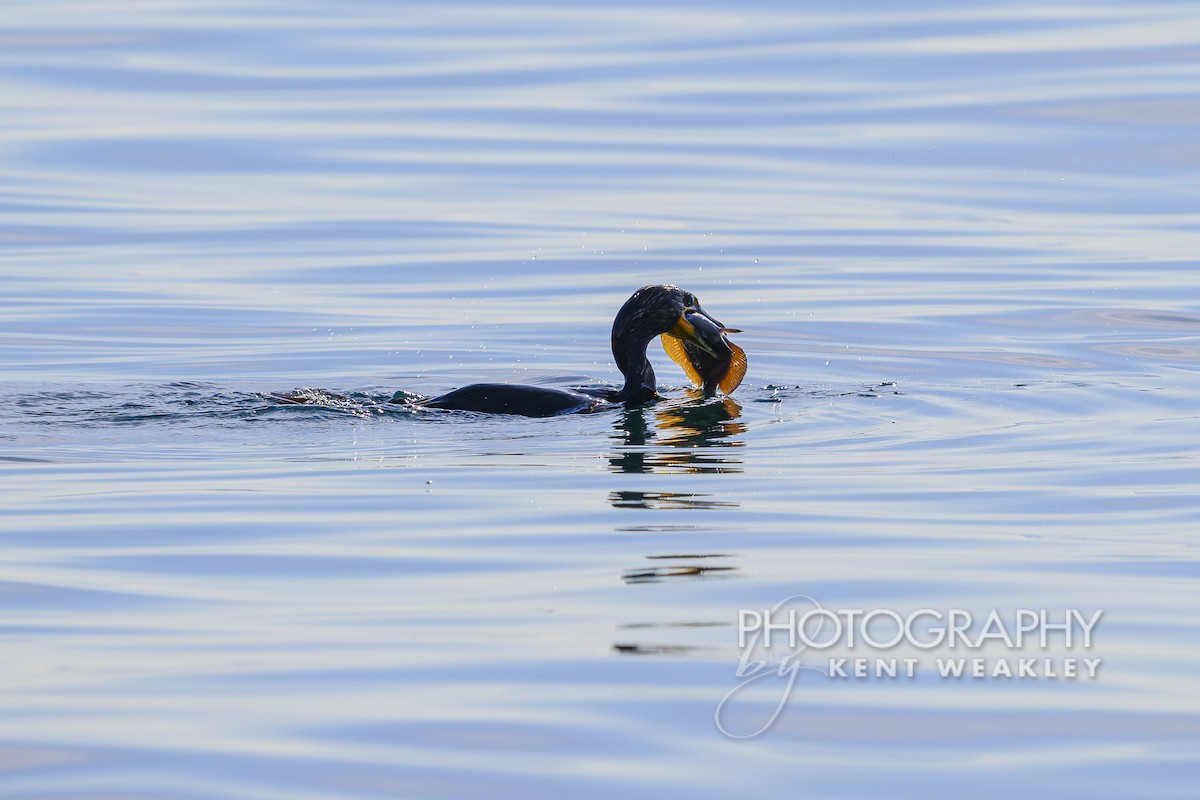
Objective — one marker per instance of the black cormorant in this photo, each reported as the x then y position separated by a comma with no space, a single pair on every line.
695,340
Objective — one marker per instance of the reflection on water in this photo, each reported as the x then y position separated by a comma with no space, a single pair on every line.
657,574
655,649
656,635
677,436
702,422
658,528
666,500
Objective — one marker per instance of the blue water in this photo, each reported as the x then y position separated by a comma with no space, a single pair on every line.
960,239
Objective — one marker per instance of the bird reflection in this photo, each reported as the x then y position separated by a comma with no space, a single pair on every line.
659,574
686,436
637,499
675,637
699,434
713,633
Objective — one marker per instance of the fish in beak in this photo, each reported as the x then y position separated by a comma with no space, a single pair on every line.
699,345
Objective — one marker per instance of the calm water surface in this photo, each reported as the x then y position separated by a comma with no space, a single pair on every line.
961,240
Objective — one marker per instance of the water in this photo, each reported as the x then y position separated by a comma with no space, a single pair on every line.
961,241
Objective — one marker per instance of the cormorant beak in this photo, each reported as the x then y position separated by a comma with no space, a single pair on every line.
698,310
685,331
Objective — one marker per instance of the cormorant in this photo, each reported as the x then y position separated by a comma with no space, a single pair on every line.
695,340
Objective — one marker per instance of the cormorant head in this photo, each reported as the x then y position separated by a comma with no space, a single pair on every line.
675,314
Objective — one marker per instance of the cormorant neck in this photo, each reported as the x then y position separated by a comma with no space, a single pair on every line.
629,351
